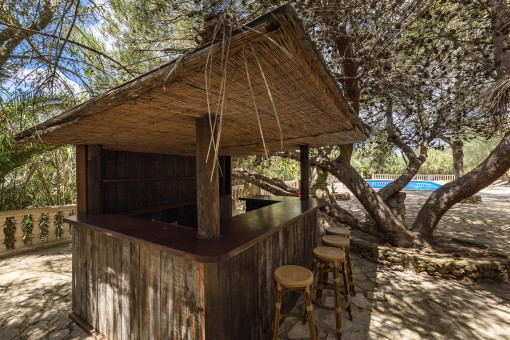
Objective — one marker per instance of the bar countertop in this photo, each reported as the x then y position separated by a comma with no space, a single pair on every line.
236,233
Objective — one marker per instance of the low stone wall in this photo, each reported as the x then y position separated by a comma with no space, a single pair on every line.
27,230
342,196
477,199
488,268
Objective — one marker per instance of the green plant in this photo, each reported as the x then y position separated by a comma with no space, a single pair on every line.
44,225
59,224
27,225
9,231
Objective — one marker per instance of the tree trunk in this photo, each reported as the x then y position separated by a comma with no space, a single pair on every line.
458,157
446,196
391,229
500,17
275,186
415,162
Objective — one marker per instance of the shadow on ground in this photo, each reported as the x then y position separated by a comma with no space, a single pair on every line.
35,301
406,305
35,296
485,224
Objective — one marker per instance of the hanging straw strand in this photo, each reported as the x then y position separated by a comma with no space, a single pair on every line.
269,93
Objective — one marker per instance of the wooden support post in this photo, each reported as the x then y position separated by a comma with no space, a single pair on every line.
227,174
304,151
94,179
208,205
81,179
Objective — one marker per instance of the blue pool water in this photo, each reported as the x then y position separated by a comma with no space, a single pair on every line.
413,185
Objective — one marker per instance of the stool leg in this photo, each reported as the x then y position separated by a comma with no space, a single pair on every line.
320,283
351,275
277,314
347,285
309,312
338,306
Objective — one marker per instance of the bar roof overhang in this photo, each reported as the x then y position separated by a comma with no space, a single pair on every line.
156,111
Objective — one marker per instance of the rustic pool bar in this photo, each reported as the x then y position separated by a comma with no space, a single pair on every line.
157,253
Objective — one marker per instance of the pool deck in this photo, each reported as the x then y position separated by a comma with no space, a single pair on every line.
486,223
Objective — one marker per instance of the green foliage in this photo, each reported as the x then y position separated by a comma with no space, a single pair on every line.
27,225
9,231
476,150
274,167
367,158
59,224
44,225
33,175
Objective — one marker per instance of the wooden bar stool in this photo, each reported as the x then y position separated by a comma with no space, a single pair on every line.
298,279
331,257
344,244
340,231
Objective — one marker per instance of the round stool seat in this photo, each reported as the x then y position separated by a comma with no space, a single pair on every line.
338,231
329,254
293,276
336,241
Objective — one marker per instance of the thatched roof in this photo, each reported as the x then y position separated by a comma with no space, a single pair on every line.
156,111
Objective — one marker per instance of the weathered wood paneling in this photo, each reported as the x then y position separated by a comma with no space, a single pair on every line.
141,293
81,179
137,181
94,179
152,185
245,283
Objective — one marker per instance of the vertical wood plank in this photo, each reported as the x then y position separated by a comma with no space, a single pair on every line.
90,277
225,295
122,188
144,293
116,269
208,207
83,268
108,287
101,284
134,293
192,300
125,286
78,295
93,278
94,179
179,272
154,294
75,294
110,196
304,151
214,309
167,298
81,179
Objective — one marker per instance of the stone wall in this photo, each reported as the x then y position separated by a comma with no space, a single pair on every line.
488,268
477,199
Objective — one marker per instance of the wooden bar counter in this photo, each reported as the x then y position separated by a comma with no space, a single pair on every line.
141,279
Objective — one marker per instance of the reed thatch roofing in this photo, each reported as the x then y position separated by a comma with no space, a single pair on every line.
156,111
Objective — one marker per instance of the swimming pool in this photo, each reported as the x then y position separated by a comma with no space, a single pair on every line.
413,185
